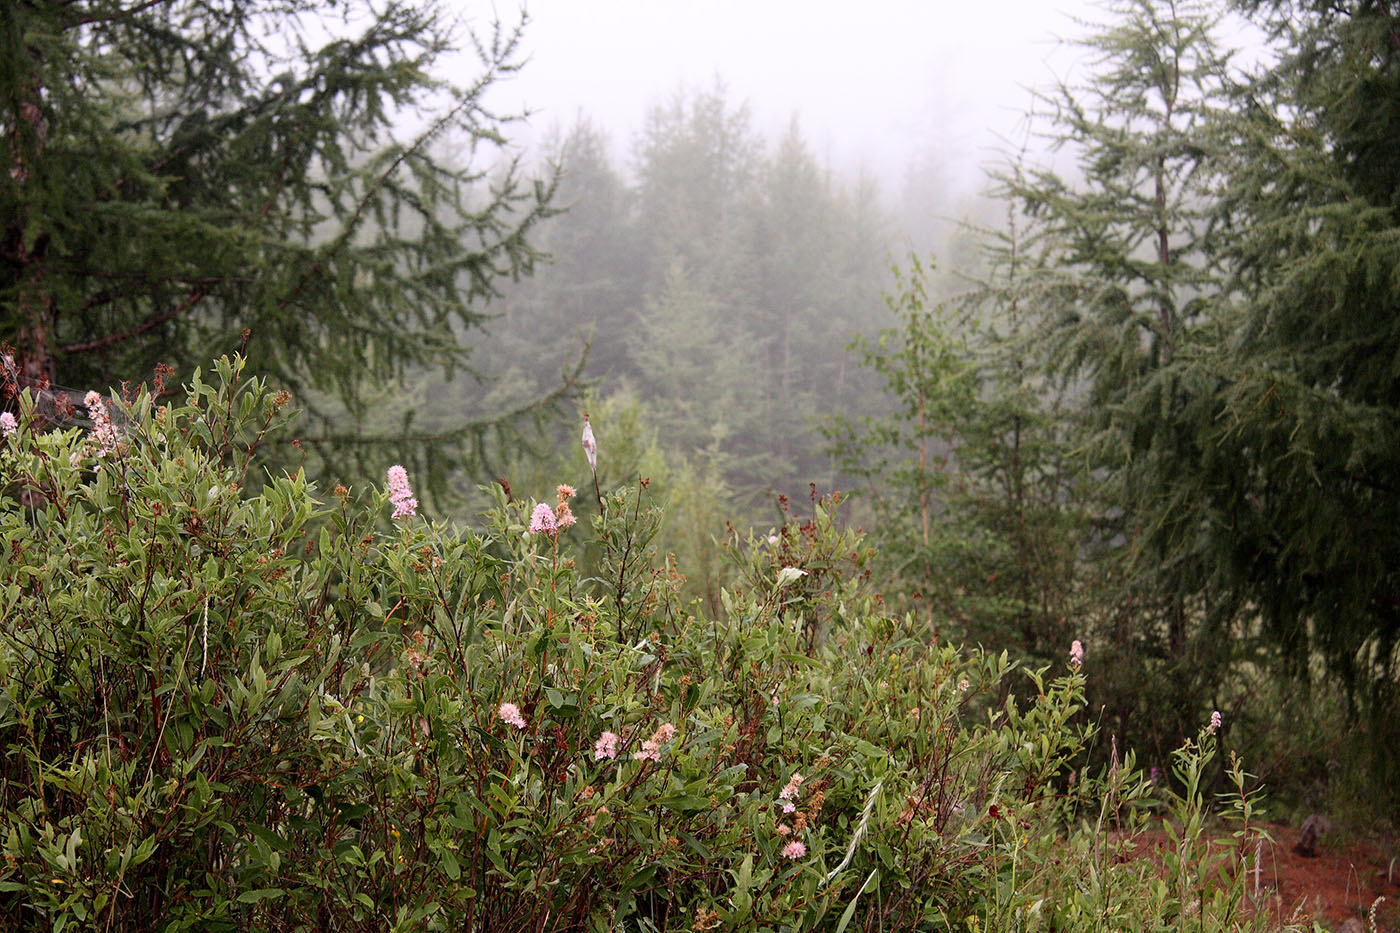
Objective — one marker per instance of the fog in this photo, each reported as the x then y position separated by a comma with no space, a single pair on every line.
721,291
722,264
880,90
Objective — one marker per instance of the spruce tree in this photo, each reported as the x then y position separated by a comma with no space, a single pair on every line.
180,173
1308,423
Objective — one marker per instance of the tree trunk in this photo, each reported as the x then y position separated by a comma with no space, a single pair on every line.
34,361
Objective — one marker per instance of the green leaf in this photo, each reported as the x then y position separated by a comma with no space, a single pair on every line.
261,894
450,866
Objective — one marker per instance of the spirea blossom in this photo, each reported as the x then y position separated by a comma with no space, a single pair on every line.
8,425
510,713
1216,721
794,850
605,747
543,522
651,748
400,494
103,431
789,793
1076,654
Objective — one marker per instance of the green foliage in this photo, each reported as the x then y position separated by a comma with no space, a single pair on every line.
969,478
222,710
693,352
901,461
1117,286
1307,404
1229,270
1130,265
196,177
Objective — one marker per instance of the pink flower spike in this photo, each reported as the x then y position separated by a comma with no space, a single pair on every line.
103,431
1076,654
606,746
510,713
400,494
794,850
794,784
543,522
8,425
1216,721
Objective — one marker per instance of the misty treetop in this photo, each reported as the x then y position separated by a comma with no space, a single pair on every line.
721,277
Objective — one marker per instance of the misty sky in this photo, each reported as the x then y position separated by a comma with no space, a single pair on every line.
875,88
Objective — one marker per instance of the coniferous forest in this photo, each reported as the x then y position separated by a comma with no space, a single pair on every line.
401,530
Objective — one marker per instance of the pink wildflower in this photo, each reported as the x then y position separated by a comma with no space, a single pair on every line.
542,521
8,424
564,491
605,747
789,792
651,748
400,494
564,515
103,431
794,850
1076,654
1216,721
510,713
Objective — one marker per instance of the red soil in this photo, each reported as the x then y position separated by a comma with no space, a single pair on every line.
1342,881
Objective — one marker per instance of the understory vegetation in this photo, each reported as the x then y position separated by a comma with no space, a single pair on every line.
288,710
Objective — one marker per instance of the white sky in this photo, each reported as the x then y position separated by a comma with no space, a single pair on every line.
874,82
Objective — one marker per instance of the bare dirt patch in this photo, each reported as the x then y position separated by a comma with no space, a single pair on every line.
1342,881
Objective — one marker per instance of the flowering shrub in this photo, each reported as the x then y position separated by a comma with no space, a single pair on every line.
222,712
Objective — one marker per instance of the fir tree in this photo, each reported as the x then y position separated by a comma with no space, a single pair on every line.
180,173
1128,256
